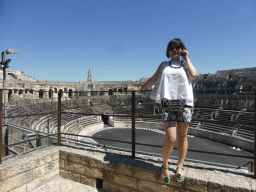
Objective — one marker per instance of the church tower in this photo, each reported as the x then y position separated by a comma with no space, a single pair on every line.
89,79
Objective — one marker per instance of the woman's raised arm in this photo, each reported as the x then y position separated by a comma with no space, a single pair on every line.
152,79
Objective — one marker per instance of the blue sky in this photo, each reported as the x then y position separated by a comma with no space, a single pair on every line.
124,40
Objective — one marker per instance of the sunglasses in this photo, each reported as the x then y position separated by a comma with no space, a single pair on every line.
177,47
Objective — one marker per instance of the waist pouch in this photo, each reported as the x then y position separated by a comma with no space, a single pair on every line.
176,105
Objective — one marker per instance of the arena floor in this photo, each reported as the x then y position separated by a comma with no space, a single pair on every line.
157,137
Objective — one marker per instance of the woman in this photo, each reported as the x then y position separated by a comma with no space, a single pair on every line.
175,92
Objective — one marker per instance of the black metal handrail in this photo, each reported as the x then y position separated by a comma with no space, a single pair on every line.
133,127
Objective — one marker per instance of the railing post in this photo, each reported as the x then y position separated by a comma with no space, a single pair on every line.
59,117
133,124
254,134
1,116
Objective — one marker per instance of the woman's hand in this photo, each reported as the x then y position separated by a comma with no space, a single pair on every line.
186,54
140,90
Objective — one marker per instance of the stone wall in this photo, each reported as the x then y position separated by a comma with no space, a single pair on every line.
26,172
119,172
115,170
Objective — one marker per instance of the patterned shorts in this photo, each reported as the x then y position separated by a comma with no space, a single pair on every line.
176,110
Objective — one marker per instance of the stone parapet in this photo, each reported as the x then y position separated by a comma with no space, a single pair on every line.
115,170
119,172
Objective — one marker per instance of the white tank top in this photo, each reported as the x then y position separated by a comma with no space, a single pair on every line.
174,84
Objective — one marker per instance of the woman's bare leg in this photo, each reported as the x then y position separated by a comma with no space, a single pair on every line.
182,131
170,132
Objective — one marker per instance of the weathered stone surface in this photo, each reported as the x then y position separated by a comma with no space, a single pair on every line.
228,182
63,173
74,177
62,163
88,181
26,166
40,171
125,181
97,163
20,189
108,175
146,174
84,160
6,172
75,168
35,183
93,172
126,189
49,176
197,181
55,155
73,157
152,187
63,155
16,181
110,187
44,160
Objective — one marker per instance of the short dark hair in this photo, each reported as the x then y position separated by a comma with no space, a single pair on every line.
174,42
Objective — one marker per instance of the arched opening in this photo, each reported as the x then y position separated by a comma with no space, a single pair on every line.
70,93
65,90
120,90
31,91
9,94
105,119
110,92
50,93
55,90
41,94
15,91
20,92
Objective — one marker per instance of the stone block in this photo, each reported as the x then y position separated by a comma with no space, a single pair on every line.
124,169
40,171
55,155
97,163
146,174
107,175
49,176
63,155
221,181
88,181
125,181
72,157
29,165
62,163
35,183
74,177
7,172
63,173
110,187
93,172
84,160
150,186
126,189
20,189
44,160
16,181
75,167
197,179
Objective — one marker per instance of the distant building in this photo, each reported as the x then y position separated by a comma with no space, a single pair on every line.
89,79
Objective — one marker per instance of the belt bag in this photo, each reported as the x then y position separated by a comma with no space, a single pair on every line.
174,104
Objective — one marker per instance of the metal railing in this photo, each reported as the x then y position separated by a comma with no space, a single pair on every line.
133,116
